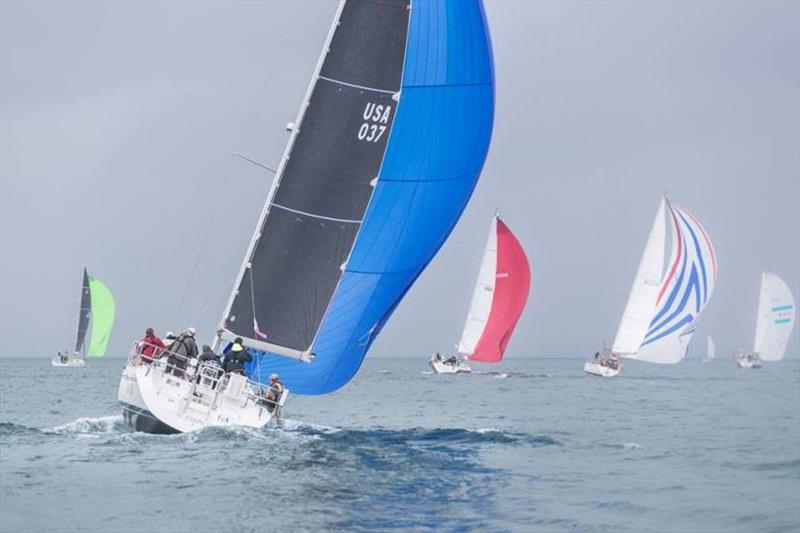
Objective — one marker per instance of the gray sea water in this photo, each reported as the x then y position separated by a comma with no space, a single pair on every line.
541,446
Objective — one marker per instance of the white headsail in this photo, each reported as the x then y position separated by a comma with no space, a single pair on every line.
776,311
711,350
482,296
644,293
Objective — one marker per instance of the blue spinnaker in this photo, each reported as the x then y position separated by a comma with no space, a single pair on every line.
435,153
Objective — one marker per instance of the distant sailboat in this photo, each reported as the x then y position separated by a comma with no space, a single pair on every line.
382,158
664,307
498,300
774,322
97,304
711,350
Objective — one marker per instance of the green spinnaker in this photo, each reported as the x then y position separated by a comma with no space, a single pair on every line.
103,311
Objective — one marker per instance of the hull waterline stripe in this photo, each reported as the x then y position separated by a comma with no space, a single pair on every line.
312,215
353,85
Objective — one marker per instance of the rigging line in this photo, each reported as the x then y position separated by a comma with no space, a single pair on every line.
256,163
223,185
211,301
203,241
255,320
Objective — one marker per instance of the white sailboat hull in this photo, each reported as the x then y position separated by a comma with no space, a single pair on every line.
596,369
70,362
155,401
745,363
440,367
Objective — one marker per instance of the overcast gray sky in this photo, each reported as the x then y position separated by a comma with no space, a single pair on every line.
119,120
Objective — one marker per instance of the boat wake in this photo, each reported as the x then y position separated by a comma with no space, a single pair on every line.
104,425
114,426
394,469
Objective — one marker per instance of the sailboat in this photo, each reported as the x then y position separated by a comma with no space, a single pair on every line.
97,305
498,300
382,159
774,322
664,305
711,350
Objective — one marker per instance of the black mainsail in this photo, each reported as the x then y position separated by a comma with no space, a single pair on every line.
85,313
324,184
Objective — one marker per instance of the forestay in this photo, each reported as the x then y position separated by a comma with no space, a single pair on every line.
329,279
775,320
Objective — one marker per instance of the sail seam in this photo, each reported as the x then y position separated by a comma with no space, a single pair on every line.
449,178
442,85
356,86
312,215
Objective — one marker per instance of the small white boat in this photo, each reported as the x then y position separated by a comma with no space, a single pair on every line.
68,359
157,397
499,297
597,369
664,306
97,305
452,365
747,361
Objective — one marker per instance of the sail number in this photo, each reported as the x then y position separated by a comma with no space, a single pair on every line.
376,120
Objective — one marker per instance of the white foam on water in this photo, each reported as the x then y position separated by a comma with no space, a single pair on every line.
632,446
103,425
295,425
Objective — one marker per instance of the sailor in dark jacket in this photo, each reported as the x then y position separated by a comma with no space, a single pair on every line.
210,359
236,356
209,355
